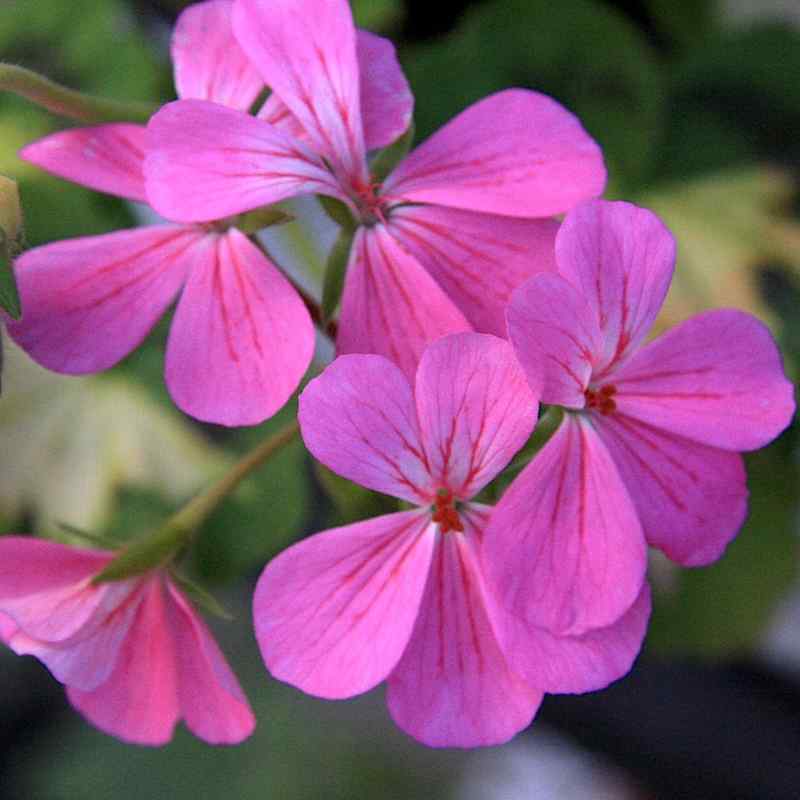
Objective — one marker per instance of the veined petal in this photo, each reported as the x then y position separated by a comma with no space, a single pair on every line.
478,259
386,99
621,257
241,338
391,305
211,701
358,418
139,701
306,52
576,664
334,612
475,409
564,548
90,301
207,60
517,153
108,158
207,162
555,337
716,378
691,498
453,686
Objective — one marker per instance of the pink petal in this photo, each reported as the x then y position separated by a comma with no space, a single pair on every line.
386,99
139,701
7,628
564,547
453,686
577,664
241,338
516,152
621,257
475,409
555,337
359,419
97,620
691,498
211,700
391,305
334,613
90,301
716,378
207,162
477,259
306,51
108,158
207,59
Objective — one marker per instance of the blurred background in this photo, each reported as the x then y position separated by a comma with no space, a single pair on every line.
697,107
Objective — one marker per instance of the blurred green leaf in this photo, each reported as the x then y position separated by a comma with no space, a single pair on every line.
684,23
9,296
581,52
351,501
377,15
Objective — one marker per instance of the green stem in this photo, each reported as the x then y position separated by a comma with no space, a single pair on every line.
160,547
68,102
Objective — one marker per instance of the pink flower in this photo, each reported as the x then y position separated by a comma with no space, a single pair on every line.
402,597
647,451
134,655
241,338
448,235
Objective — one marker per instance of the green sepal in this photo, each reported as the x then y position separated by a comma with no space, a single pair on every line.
200,596
67,102
337,211
335,272
9,296
266,217
144,554
94,539
387,159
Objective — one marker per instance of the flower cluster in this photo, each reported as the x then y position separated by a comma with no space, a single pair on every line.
465,305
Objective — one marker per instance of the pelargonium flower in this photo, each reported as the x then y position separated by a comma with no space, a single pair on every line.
402,597
241,338
648,451
450,232
134,655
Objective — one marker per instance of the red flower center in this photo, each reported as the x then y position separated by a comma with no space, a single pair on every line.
601,399
371,205
444,512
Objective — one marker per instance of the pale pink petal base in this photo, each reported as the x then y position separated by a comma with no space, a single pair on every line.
477,259
390,305
564,548
358,418
691,498
517,153
334,613
453,686
89,302
573,665
475,409
241,339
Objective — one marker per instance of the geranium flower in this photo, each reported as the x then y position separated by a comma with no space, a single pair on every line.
446,237
402,597
134,655
648,451
241,338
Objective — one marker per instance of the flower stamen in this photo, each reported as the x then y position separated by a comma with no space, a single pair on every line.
601,399
444,512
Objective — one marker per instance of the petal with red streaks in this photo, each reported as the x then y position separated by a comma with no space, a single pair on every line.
564,548
334,612
358,418
517,153
241,339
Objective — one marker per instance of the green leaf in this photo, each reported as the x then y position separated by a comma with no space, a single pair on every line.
9,296
387,159
335,273
377,15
